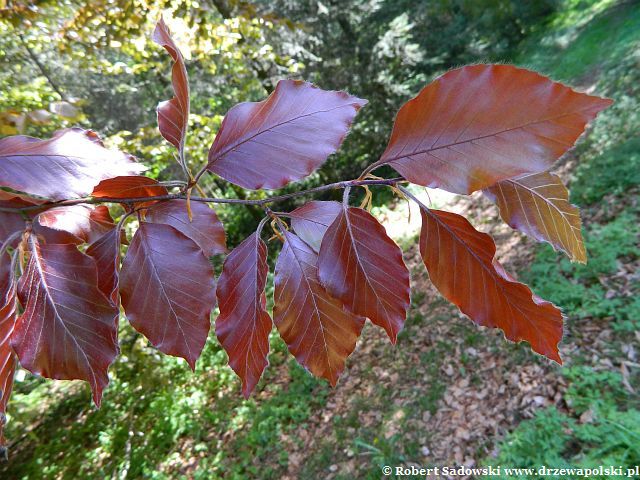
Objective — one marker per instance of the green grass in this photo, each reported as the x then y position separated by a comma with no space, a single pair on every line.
614,172
578,288
362,431
588,35
609,435
144,422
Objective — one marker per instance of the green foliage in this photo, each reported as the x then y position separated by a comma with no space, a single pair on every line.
613,172
601,390
577,288
607,436
153,404
385,51
266,424
587,35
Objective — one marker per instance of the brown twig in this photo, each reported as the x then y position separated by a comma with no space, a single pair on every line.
233,201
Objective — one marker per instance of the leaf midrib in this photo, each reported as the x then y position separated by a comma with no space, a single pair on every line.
482,137
42,275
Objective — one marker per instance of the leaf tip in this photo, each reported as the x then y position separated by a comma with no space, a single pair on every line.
192,363
97,396
160,25
247,390
579,258
393,331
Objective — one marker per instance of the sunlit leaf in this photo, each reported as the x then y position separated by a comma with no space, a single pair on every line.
477,125
84,221
67,165
538,205
461,265
173,115
131,186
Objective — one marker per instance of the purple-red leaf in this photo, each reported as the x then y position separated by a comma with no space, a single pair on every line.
311,221
538,205
86,222
15,222
362,267
7,322
67,165
283,138
16,200
477,125
68,329
319,332
167,290
51,235
106,253
461,265
243,325
173,115
204,227
131,186
11,222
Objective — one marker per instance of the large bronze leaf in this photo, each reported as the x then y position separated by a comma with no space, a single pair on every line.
67,165
68,329
538,205
461,265
477,125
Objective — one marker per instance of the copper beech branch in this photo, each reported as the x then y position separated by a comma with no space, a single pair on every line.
337,266
235,201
